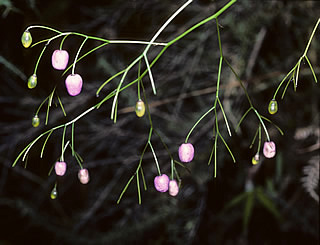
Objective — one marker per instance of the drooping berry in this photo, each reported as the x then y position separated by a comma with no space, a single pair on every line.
173,188
60,168
83,176
255,159
74,84
140,108
269,149
186,152
161,183
26,39
273,107
54,193
59,59
35,121
32,81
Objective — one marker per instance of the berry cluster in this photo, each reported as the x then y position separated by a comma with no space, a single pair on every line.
61,168
59,61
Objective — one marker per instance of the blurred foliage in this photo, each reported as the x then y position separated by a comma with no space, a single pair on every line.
261,39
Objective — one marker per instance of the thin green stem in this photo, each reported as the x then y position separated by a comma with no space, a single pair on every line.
106,82
62,41
311,37
219,39
199,120
72,138
224,116
241,84
165,25
264,127
244,115
75,60
44,144
62,144
139,80
38,61
83,56
214,16
155,158
311,68
259,142
138,187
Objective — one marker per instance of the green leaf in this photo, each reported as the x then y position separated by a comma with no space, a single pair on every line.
268,204
235,201
248,209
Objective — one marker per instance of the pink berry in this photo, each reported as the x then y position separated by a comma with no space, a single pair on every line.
83,176
173,188
60,168
269,149
74,84
60,59
186,152
161,183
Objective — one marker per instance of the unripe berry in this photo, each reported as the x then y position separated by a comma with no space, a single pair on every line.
54,193
26,39
59,59
32,81
35,121
273,107
186,152
173,188
255,159
74,84
269,149
60,168
83,176
140,108
161,183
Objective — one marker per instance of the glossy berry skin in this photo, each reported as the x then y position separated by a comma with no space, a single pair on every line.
255,159
269,149
32,81
161,183
35,121
60,168
59,59
186,152
74,84
26,39
173,188
54,193
273,107
83,176
140,108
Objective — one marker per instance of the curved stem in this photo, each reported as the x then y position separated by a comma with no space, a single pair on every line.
75,60
203,116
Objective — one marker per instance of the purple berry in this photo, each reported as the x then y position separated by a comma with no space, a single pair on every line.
269,149
60,168
173,188
60,59
83,176
186,152
74,84
161,183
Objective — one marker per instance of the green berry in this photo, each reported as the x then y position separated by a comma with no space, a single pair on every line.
140,108
255,159
32,81
54,193
35,121
26,39
273,107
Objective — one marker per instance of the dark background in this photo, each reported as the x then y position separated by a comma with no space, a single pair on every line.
185,78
